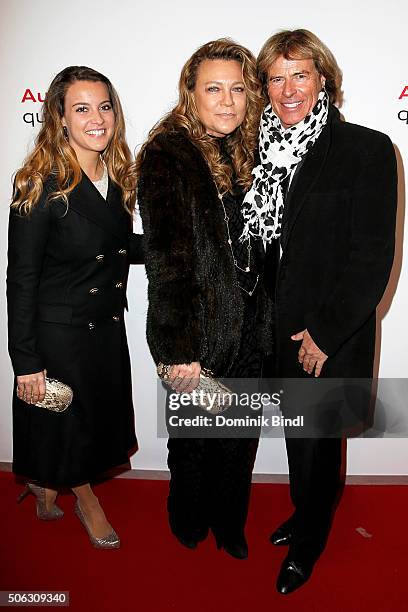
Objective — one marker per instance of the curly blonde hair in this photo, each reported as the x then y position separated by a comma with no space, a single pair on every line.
53,155
241,144
302,44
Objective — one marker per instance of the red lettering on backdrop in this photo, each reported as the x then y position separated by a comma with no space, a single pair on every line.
404,93
28,95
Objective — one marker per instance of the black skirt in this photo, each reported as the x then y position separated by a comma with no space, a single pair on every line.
97,431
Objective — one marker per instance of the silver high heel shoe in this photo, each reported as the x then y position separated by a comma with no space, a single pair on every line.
42,513
110,541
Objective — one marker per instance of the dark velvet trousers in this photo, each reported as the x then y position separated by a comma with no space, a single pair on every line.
211,477
210,486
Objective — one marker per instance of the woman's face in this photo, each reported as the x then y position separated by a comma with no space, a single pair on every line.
88,117
220,96
293,89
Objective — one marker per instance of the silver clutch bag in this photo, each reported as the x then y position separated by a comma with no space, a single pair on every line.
58,395
210,394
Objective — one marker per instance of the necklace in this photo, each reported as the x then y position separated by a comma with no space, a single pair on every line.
234,259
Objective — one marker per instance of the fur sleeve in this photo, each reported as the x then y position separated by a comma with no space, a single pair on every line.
173,321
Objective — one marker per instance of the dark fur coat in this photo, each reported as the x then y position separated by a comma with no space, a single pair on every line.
195,304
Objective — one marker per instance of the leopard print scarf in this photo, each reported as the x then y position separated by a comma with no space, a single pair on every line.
280,152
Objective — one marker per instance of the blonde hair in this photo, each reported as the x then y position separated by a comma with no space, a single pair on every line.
241,144
53,155
302,44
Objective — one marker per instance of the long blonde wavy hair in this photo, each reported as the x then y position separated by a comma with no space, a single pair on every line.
53,155
241,144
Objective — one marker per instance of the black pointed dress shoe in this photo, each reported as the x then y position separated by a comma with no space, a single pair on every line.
283,535
293,574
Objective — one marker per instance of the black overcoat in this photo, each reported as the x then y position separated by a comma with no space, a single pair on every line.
195,304
66,291
338,245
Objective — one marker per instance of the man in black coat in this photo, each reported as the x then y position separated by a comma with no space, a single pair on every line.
324,201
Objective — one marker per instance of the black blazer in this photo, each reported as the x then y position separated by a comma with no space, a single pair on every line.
67,265
338,246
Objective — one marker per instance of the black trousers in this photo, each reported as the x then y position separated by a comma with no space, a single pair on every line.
315,481
210,485
211,477
314,461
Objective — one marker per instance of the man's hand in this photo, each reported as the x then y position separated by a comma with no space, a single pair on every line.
309,354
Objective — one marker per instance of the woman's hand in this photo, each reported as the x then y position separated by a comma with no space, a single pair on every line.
31,387
184,378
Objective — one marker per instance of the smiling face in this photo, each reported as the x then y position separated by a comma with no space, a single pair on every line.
89,118
293,88
220,96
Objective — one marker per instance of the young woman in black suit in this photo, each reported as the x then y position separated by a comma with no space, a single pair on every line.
70,245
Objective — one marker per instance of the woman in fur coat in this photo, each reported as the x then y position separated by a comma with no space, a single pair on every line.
206,305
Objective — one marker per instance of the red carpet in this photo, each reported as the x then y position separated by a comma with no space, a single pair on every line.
152,572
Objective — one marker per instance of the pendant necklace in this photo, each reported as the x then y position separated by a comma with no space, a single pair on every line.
249,248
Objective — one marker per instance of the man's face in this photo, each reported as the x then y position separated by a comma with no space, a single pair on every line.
293,88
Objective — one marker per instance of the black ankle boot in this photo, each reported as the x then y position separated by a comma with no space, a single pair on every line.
188,542
236,547
191,540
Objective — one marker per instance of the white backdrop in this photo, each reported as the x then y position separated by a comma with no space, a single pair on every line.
141,46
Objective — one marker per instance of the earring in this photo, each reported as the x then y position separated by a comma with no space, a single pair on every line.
65,131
